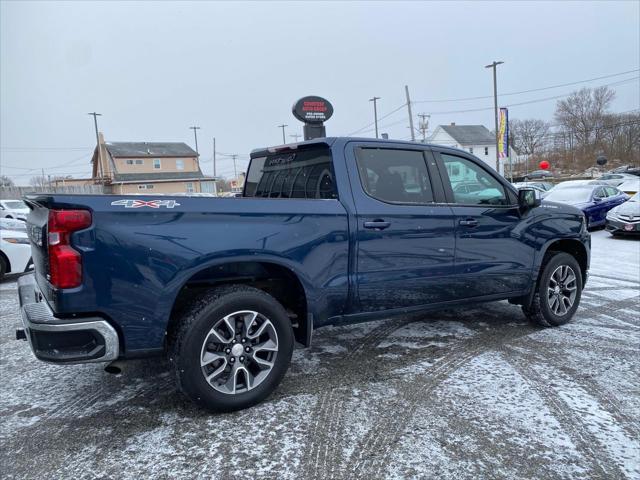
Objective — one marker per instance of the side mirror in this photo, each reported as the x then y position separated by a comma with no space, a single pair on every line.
597,199
527,198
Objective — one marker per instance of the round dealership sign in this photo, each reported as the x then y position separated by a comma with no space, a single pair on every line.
312,109
544,165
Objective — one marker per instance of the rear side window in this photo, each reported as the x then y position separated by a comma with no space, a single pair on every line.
304,173
396,176
611,192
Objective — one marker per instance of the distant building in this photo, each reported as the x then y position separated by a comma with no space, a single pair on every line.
149,167
475,139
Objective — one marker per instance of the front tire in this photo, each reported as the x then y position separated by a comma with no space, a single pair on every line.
558,292
231,348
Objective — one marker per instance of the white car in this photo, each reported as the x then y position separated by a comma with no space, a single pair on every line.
615,179
14,209
576,183
15,249
630,187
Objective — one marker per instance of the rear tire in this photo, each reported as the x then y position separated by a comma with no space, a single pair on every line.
558,291
231,348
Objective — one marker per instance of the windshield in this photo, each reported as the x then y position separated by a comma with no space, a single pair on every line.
575,194
15,204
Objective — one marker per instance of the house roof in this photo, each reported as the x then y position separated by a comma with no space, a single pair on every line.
150,149
156,176
470,134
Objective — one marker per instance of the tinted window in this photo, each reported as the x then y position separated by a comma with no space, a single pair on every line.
611,192
599,193
472,184
394,175
305,173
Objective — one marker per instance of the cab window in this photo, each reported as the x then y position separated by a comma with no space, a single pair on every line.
306,173
394,176
471,184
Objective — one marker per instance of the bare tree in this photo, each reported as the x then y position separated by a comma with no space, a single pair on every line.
529,136
38,181
6,181
584,113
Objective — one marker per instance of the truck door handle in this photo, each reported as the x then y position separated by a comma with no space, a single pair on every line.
377,224
469,222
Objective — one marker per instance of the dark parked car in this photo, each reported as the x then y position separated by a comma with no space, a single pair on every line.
468,187
594,200
538,175
330,231
625,218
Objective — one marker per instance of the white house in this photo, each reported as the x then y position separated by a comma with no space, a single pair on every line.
475,139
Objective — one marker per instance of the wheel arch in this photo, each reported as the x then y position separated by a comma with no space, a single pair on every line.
274,276
573,247
6,261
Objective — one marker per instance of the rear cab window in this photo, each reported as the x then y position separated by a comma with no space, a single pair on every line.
300,173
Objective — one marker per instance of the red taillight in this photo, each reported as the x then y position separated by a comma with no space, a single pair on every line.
65,263
69,220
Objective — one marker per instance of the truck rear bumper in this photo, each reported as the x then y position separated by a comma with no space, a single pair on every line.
62,340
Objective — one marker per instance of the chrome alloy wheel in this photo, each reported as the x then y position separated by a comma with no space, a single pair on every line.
239,352
562,290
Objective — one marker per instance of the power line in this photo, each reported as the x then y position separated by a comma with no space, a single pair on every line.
528,91
530,101
379,119
60,165
44,149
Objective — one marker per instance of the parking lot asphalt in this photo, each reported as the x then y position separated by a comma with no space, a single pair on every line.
467,393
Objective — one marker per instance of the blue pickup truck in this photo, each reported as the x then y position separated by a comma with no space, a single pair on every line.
328,232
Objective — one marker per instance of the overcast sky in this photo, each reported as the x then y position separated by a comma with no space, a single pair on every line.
234,69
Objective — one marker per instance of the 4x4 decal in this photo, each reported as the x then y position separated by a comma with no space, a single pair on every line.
127,203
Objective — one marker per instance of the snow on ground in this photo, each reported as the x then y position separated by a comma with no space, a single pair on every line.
468,393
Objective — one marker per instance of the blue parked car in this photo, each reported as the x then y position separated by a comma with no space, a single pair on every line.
594,200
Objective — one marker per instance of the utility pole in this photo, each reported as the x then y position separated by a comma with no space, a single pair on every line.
295,137
375,112
195,135
95,123
284,140
424,125
214,156
413,132
235,171
495,109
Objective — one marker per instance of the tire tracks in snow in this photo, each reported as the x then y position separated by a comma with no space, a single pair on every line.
556,359
372,452
323,451
568,419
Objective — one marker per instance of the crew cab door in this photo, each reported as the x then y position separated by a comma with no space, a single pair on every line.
492,255
404,238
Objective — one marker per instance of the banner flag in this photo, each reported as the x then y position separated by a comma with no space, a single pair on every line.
503,133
